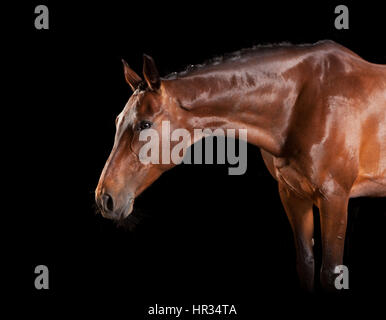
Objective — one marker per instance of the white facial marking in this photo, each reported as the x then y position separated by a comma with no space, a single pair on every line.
128,116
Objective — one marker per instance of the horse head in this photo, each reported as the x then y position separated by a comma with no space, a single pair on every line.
125,175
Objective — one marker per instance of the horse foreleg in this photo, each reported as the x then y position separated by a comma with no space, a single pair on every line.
300,215
333,221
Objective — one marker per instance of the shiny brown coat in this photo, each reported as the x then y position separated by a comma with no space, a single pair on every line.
318,113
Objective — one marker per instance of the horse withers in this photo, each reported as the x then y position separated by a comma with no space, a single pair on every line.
318,113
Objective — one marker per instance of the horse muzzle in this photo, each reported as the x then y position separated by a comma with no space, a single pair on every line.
110,207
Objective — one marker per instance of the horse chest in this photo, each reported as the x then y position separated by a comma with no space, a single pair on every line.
292,178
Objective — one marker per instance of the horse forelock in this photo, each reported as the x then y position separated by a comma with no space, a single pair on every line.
142,86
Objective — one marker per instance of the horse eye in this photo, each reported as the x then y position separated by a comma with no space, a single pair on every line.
144,125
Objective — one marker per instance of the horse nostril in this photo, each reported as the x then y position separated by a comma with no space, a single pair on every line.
108,202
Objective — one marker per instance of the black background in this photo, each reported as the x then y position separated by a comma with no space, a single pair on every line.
203,236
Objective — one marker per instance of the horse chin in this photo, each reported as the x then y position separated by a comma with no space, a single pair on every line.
128,210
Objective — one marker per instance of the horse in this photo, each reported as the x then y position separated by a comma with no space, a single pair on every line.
316,111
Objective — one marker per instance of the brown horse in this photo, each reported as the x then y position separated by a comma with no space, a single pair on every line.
318,113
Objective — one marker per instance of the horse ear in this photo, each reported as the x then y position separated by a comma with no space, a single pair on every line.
150,72
131,77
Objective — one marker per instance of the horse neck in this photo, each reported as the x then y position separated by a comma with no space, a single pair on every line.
259,97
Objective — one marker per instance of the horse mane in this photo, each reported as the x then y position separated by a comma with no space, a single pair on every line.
233,56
